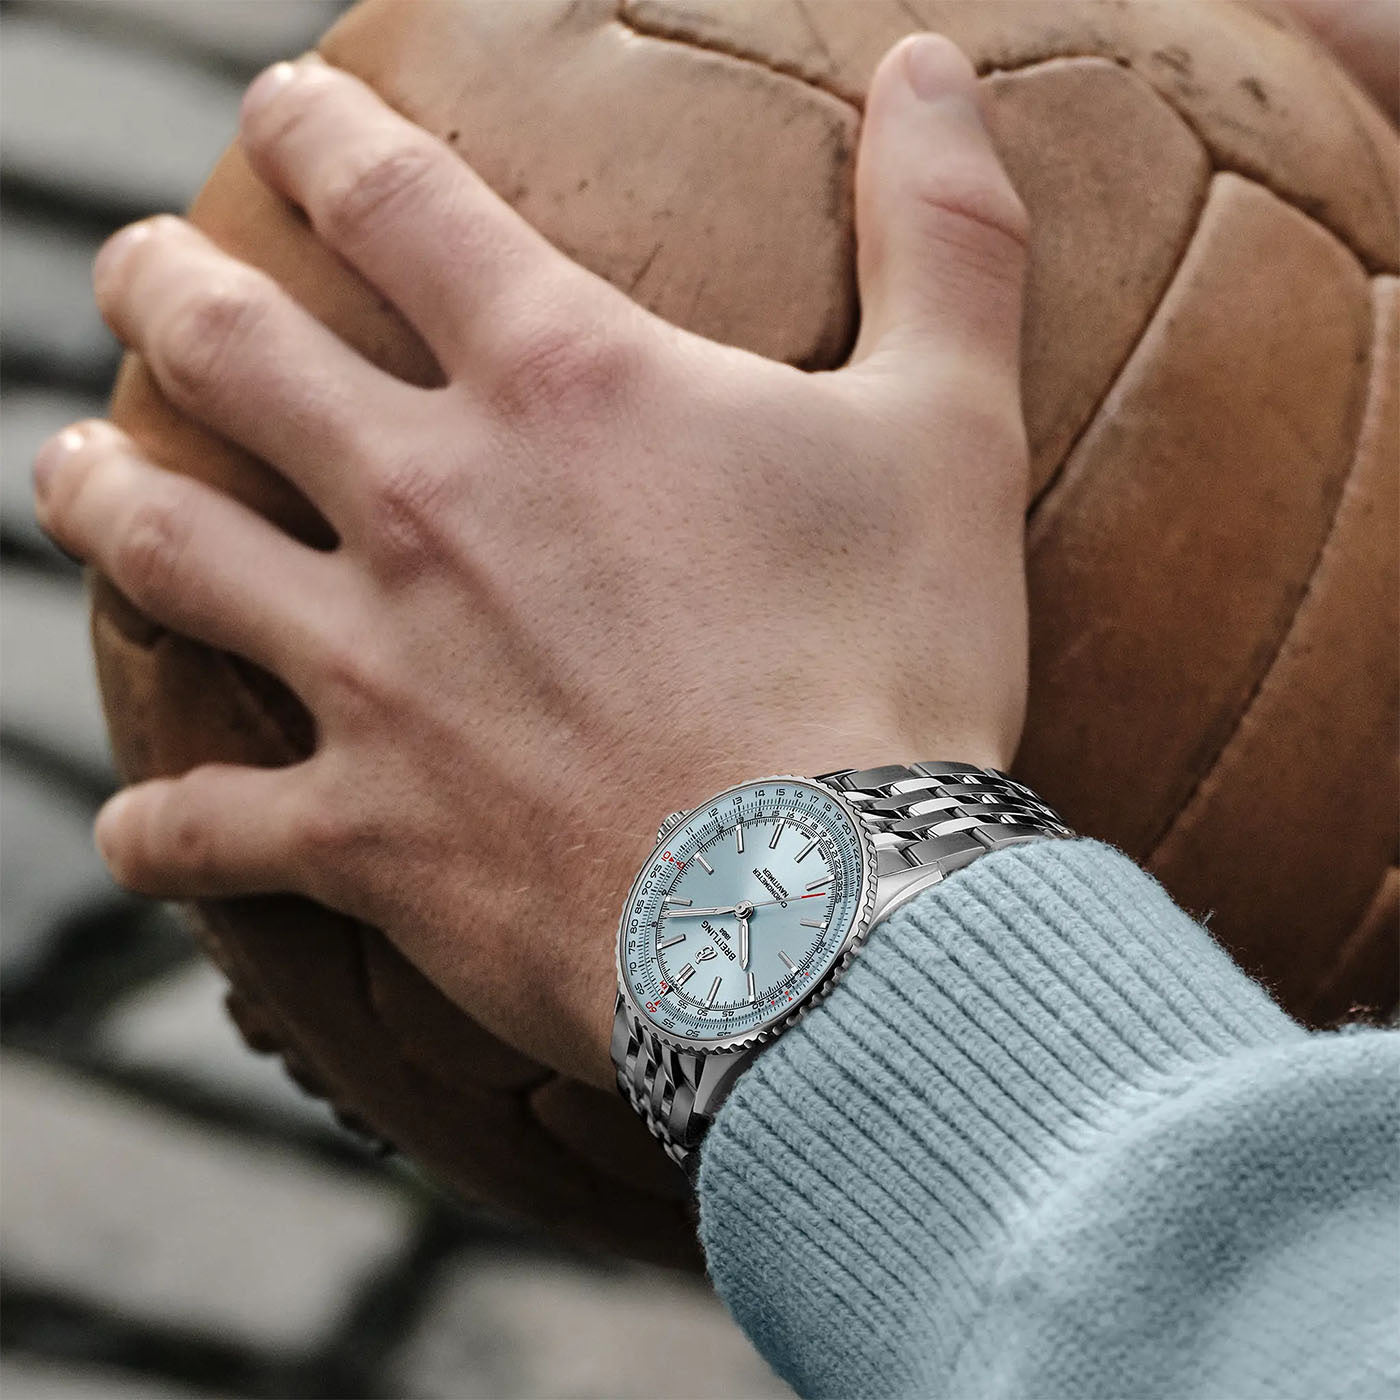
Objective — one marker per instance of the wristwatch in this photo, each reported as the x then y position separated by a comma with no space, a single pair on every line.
753,905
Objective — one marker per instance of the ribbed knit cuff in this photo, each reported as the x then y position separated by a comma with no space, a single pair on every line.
860,1182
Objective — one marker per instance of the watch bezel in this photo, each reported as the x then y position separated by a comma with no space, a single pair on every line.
850,944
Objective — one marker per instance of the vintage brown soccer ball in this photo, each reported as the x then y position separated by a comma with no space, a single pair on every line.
1210,377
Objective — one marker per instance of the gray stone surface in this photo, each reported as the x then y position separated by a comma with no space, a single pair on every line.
246,32
32,1378
27,417
51,321
49,871
177,1026
116,1203
96,116
510,1326
48,687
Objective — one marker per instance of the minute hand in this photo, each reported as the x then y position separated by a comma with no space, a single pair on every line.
753,904
764,903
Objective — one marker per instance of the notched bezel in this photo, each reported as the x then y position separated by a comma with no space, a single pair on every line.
850,945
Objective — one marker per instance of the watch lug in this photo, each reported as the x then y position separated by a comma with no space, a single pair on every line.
621,1031
669,825
893,891
717,1076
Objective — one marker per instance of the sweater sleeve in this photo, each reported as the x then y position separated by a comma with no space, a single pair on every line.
1045,1139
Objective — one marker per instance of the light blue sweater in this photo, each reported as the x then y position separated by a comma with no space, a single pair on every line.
1044,1140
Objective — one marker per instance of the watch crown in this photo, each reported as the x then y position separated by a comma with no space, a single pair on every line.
668,826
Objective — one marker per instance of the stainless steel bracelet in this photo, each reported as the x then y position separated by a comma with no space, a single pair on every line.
930,819
926,820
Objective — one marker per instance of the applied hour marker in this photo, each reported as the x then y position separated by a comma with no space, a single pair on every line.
739,838
673,903
807,849
777,832
701,861
670,943
812,923
684,975
791,966
817,884
753,991
714,991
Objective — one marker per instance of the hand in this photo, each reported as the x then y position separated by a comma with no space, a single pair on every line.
744,944
489,652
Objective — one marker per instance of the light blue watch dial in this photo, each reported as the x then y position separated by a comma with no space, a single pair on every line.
742,910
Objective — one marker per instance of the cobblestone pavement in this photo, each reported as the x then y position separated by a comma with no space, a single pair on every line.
177,1219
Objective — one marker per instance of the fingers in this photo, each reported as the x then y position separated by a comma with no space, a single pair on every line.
186,555
393,200
228,345
941,234
216,831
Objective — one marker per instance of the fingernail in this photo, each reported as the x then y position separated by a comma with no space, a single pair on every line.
937,70
266,86
107,821
52,455
116,249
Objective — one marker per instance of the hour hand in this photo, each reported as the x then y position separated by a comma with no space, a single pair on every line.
743,945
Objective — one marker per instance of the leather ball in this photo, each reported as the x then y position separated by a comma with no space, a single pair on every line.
1210,372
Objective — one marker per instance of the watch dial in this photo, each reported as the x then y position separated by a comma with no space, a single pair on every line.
742,910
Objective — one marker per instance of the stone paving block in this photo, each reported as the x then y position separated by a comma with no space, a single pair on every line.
246,32
177,1026
110,1201
507,1326
33,1378
48,687
27,417
97,117
49,871
51,321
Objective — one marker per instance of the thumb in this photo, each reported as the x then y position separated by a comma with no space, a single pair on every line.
940,232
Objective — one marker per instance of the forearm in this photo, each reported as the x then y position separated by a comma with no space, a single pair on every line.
1046,1139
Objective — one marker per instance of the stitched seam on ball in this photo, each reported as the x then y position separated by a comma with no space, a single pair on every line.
813,82
817,84
1091,419
1288,634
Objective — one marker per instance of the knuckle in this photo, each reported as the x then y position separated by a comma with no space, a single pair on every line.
332,839
323,834
408,506
149,554
558,368
376,189
188,843
206,332
350,682
980,221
